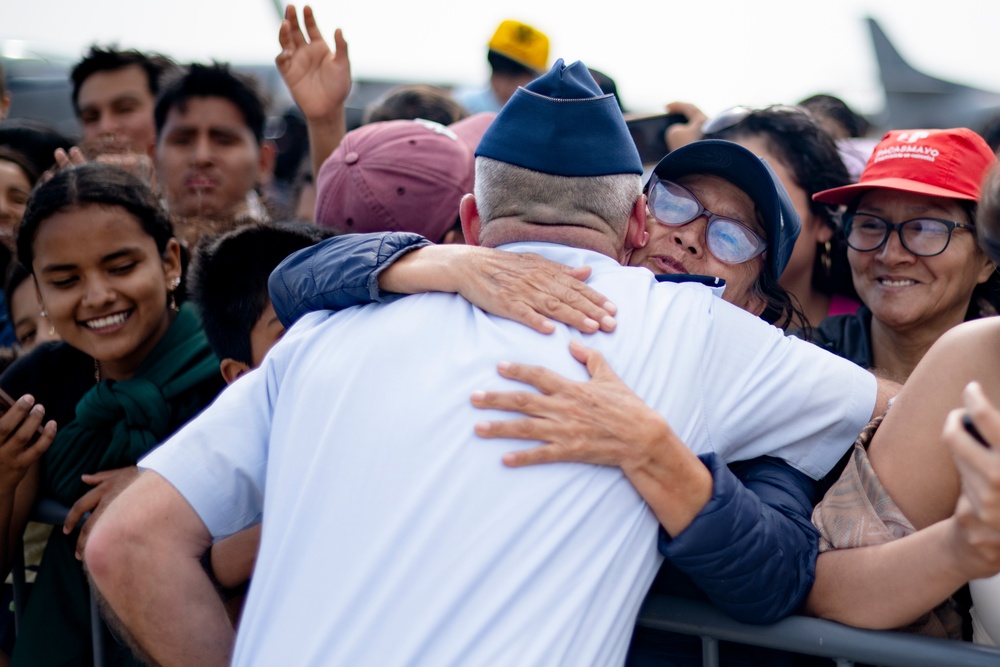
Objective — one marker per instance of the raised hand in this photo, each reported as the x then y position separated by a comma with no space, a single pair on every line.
318,79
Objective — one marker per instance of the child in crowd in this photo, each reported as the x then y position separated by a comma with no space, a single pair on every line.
228,284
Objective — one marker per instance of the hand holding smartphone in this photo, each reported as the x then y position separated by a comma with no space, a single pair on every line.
971,429
6,403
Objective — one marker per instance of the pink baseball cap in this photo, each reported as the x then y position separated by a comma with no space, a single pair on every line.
472,128
938,163
398,175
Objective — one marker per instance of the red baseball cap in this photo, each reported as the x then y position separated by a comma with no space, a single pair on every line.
938,163
398,175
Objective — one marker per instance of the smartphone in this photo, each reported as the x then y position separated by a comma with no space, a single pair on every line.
971,429
648,134
6,403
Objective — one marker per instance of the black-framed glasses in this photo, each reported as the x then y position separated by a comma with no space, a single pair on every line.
733,116
923,237
730,241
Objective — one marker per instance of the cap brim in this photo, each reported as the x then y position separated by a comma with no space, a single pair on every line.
848,193
520,61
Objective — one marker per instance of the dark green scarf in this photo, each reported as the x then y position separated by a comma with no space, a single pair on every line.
116,423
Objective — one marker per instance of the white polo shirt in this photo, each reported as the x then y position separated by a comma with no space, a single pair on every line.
395,536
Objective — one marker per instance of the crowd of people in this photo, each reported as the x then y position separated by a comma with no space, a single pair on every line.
316,408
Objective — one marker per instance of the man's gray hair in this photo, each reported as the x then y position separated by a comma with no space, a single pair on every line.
504,190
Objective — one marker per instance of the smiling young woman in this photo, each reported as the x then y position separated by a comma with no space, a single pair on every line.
131,369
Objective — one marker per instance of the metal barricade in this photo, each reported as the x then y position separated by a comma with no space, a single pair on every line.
51,512
799,634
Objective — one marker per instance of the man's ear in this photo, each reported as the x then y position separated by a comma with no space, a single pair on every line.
232,369
267,155
636,235
469,213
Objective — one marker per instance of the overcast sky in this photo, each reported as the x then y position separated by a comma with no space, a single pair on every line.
714,53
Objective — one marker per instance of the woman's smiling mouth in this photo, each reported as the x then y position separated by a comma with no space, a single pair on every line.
108,321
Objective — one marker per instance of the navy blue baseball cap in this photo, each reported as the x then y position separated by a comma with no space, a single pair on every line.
752,175
562,124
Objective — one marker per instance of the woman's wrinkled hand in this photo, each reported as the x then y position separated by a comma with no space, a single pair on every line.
532,290
600,421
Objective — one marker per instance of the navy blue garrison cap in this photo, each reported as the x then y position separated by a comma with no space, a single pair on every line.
562,124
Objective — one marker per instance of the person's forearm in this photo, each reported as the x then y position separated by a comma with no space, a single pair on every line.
889,585
325,134
15,507
337,273
670,478
9,535
234,557
752,549
433,268
144,556
176,617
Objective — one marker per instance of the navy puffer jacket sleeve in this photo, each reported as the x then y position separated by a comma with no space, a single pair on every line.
337,273
752,549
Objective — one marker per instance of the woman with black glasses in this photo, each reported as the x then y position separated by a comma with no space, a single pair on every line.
911,234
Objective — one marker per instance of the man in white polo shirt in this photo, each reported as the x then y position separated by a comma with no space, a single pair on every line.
392,534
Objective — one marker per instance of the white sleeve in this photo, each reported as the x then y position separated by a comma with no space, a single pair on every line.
781,396
217,461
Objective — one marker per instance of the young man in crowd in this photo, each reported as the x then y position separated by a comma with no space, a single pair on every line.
114,92
211,154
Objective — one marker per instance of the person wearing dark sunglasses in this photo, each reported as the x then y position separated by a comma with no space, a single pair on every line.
912,238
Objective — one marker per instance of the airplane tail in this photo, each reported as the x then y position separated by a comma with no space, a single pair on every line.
918,100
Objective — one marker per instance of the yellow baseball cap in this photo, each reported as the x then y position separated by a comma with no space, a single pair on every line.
521,43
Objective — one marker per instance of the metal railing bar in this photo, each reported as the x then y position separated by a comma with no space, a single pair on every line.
814,636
